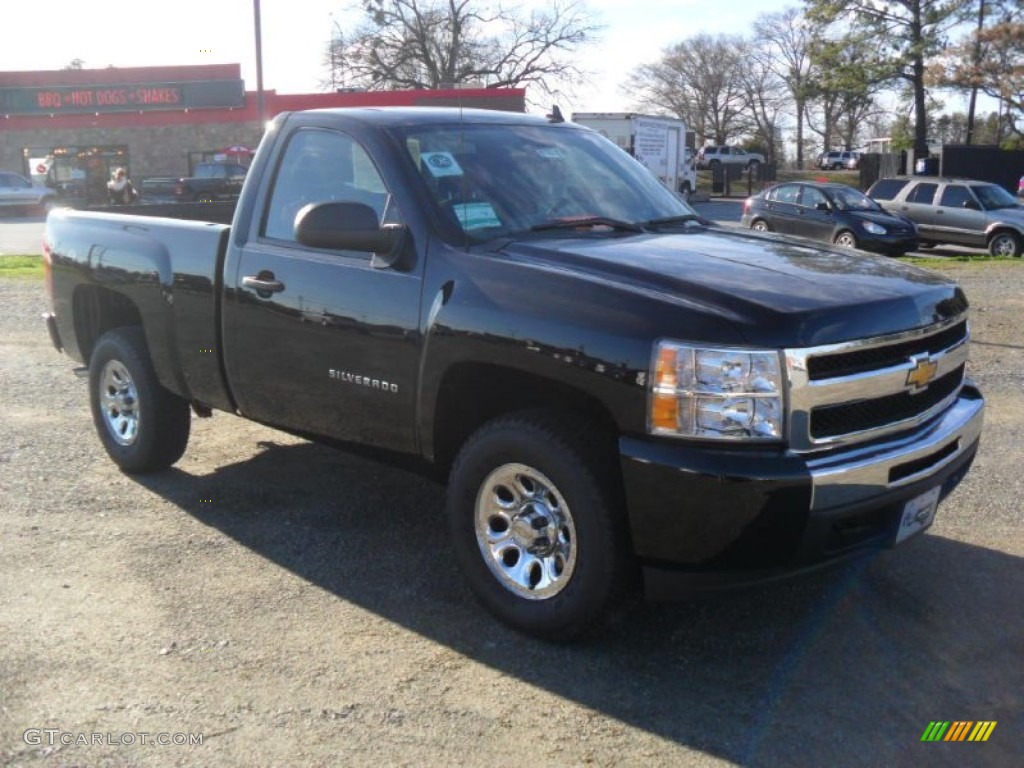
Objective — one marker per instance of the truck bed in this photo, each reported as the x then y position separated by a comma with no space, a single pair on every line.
169,266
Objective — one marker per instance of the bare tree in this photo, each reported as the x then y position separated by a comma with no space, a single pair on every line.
698,80
766,98
787,37
437,43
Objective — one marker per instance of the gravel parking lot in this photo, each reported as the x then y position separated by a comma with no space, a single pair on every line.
293,605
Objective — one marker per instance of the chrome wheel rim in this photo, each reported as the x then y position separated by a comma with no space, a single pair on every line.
119,403
1003,245
760,226
525,532
846,241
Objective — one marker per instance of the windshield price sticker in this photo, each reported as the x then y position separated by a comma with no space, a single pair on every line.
918,514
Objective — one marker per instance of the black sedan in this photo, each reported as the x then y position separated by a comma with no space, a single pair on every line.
835,213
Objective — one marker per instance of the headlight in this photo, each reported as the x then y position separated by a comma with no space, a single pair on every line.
874,229
722,394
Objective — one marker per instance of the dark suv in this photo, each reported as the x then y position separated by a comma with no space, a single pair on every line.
957,211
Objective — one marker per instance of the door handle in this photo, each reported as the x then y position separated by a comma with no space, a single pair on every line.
264,284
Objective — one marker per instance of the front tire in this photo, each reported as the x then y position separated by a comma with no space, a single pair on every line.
1004,244
846,239
143,427
534,519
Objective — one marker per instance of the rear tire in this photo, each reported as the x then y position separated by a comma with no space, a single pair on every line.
760,225
143,427
1004,244
533,509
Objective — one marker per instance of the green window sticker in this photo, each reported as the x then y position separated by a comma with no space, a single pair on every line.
476,216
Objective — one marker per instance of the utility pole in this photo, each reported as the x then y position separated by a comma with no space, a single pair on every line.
261,106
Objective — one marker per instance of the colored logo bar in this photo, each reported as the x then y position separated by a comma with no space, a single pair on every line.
958,730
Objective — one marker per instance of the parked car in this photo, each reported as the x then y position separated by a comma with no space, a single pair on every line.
708,157
19,194
967,212
835,213
837,160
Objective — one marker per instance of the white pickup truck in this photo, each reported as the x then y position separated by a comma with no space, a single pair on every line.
710,156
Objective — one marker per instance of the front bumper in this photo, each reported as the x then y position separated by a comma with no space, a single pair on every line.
887,244
706,515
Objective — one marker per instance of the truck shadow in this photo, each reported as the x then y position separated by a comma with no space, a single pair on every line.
852,663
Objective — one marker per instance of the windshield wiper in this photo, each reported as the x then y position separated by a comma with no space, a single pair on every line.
668,221
587,221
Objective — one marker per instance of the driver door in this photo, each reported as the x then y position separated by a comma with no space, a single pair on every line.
330,345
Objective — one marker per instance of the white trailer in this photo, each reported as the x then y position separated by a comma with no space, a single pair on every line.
658,143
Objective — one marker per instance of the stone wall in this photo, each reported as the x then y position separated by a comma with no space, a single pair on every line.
152,151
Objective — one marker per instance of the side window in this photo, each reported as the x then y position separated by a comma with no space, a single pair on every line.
922,193
319,166
811,197
887,189
787,193
954,196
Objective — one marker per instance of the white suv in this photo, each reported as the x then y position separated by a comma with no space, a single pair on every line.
710,156
836,160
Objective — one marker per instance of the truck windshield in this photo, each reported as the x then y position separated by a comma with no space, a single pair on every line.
493,181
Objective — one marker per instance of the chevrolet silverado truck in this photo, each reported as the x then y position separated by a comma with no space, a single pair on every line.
612,386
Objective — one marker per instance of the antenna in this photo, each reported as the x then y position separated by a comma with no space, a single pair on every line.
556,115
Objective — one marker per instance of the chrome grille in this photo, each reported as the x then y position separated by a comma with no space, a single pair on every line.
856,391
872,358
844,418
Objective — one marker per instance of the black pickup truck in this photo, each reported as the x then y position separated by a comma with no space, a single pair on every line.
210,182
611,385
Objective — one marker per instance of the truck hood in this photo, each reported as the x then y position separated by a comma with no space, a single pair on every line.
774,292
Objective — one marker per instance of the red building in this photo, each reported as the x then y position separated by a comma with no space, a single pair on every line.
69,128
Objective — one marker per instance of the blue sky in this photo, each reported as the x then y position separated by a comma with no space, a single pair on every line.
124,34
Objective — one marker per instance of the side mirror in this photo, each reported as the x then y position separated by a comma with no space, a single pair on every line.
972,204
346,226
822,207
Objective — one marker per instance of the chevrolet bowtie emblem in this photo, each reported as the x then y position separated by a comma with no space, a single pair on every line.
921,374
